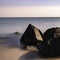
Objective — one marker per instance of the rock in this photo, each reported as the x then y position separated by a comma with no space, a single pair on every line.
48,43
17,32
31,36
52,40
52,34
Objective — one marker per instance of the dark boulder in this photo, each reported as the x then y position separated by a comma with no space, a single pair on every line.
48,43
31,36
52,35
52,41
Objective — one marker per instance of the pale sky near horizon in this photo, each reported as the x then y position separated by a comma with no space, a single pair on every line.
30,8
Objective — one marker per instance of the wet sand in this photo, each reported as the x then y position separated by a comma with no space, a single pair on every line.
11,49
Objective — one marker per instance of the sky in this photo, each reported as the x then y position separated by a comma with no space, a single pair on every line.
29,8
28,2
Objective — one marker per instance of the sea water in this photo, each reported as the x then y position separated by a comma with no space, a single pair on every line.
19,24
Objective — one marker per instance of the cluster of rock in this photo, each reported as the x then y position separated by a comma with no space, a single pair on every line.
48,43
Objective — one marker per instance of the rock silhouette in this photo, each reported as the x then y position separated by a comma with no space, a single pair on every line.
48,43
52,39
31,36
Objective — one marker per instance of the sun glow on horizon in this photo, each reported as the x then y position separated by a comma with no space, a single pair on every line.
30,11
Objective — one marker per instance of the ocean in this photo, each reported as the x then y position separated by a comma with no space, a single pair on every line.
13,24
10,46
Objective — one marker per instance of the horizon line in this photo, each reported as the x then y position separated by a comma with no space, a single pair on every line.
29,17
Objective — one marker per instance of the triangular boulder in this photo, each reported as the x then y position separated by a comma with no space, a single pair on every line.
31,36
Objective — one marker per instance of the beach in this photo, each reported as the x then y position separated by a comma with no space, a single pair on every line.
11,49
